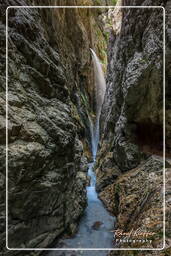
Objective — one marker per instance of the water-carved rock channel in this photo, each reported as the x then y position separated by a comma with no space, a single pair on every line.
97,225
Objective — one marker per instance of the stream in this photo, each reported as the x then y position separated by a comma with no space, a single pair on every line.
94,228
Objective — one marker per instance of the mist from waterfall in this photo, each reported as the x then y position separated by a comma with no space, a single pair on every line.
100,88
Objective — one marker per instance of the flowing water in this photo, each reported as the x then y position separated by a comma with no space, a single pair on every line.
100,88
96,225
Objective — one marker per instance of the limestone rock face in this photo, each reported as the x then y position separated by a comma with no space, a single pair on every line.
49,96
132,114
132,123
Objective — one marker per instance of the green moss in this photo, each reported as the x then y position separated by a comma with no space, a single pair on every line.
114,2
97,2
106,34
117,188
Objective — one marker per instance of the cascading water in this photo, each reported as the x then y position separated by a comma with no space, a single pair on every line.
100,88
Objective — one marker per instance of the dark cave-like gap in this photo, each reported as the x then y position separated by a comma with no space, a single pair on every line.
149,137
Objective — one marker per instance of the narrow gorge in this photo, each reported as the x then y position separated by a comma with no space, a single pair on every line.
85,137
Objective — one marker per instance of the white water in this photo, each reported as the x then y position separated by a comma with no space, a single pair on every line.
100,88
92,175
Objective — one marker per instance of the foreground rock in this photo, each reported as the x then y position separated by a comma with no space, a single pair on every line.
136,198
138,202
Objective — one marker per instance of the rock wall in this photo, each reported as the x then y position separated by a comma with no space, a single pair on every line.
50,95
129,178
132,109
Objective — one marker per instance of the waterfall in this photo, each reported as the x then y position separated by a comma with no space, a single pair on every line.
100,88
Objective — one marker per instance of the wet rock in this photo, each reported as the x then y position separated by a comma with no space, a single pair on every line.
107,172
97,225
84,164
